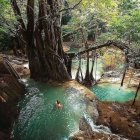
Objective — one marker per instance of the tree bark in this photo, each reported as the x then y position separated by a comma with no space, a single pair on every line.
123,77
54,55
47,60
125,69
92,67
79,75
32,56
136,94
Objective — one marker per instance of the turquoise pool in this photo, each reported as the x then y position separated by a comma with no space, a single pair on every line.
40,120
112,92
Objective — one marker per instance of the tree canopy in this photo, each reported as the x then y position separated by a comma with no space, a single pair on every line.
96,20
107,19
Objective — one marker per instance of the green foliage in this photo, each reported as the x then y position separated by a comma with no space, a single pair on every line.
126,6
127,27
101,20
92,16
4,39
6,24
66,15
105,18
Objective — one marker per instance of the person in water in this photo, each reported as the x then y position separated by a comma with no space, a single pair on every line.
58,104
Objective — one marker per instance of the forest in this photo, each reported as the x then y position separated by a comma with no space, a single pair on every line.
69,70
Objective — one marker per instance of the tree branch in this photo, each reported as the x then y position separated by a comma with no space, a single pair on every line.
71,8
72,33
119,45
18,13
30,16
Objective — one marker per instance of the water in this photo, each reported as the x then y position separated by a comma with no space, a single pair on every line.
95,128
112,92
73,50
39,120
97,70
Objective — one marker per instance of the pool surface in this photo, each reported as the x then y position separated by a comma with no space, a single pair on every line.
40,120
112,92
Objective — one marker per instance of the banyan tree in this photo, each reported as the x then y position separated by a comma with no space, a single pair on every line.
42,36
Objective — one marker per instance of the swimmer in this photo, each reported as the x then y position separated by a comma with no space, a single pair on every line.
58,104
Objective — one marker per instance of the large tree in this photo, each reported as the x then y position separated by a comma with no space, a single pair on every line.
42,36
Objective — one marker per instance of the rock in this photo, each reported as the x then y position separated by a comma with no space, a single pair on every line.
17,62
111,74
84,126
10,93
76,138
3,69
2,99
91,108
121,118
3,136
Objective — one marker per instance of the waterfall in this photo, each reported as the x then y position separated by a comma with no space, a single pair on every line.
96,128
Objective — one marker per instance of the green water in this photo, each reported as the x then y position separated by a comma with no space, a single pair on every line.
111,92
40,120
73,50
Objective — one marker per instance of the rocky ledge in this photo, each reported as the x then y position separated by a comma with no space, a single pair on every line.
11,92
114,121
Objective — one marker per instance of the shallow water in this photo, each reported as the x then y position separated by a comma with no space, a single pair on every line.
39,120
112,92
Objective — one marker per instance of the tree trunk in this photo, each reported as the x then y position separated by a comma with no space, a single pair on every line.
93,61
54,55
87,80
87,76
136,94
96,69
123,77
79,75
47,60
125,69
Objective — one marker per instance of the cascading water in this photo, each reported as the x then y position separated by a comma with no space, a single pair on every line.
95,128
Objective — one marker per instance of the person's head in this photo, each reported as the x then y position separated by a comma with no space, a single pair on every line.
58,102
